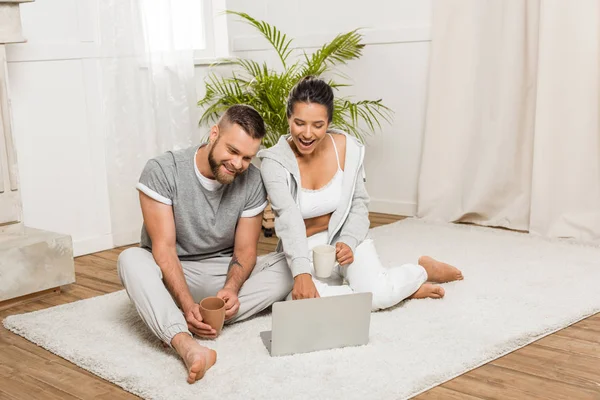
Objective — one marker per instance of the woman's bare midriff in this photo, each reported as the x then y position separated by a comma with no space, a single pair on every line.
317,224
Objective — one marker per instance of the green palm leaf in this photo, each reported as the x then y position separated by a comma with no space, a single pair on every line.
279,41
340,50
267,90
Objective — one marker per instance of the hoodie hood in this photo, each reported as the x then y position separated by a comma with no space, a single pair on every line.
284,155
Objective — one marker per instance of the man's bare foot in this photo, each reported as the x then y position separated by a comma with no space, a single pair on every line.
198,359
438,271
428,290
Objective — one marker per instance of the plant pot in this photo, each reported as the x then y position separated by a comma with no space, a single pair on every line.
268,221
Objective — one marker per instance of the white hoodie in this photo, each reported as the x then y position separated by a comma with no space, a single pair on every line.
348,224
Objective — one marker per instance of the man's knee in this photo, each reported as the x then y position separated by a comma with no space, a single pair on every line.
277,282
276,275
285,280
134,261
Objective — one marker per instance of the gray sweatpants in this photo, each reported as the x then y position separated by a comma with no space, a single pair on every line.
270,281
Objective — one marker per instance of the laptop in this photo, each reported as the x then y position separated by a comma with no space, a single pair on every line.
302,326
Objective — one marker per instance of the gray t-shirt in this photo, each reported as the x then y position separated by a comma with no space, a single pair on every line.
205,216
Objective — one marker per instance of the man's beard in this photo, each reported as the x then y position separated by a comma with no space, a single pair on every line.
215,167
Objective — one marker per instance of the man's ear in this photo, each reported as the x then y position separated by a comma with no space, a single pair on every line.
214,134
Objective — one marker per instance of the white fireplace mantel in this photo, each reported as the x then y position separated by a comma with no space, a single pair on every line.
31,260
10,199
10,17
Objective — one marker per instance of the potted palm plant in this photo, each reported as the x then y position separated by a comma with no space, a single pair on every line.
266,88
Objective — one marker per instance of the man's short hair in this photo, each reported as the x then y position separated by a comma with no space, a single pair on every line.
246,117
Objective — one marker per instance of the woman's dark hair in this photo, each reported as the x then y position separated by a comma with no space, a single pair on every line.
311,90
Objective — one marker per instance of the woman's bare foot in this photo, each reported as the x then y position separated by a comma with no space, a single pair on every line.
438,271
428,290
198,359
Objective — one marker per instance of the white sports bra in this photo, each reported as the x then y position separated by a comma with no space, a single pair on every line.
325,200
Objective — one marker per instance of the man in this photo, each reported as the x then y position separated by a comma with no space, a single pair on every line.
202,210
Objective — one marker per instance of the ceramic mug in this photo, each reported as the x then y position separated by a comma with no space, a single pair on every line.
324,260
213,312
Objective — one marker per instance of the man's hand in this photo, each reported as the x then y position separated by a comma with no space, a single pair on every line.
304,287
343,254
195,324
232,303
242,262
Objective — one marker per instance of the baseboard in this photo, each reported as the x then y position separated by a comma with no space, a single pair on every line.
125,238
105,242
109,241
406,208
92,245
28,298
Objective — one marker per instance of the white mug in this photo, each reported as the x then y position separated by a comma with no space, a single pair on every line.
324,260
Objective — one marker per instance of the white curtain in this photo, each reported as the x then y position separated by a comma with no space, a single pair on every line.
512,135
148,92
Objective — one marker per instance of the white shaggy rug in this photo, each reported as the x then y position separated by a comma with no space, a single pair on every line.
517,289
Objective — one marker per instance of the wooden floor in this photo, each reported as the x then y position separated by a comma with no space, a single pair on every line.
565,365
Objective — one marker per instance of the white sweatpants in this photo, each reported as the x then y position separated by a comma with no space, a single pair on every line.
366,274
271,280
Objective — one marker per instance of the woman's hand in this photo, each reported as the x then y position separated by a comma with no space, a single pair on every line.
304,287
343,254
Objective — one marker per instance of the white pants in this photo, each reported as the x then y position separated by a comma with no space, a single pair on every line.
366,274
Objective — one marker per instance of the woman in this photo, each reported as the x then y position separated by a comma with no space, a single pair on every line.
315,180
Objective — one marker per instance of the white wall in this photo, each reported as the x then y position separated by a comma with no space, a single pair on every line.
393,67
57,125
56,104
